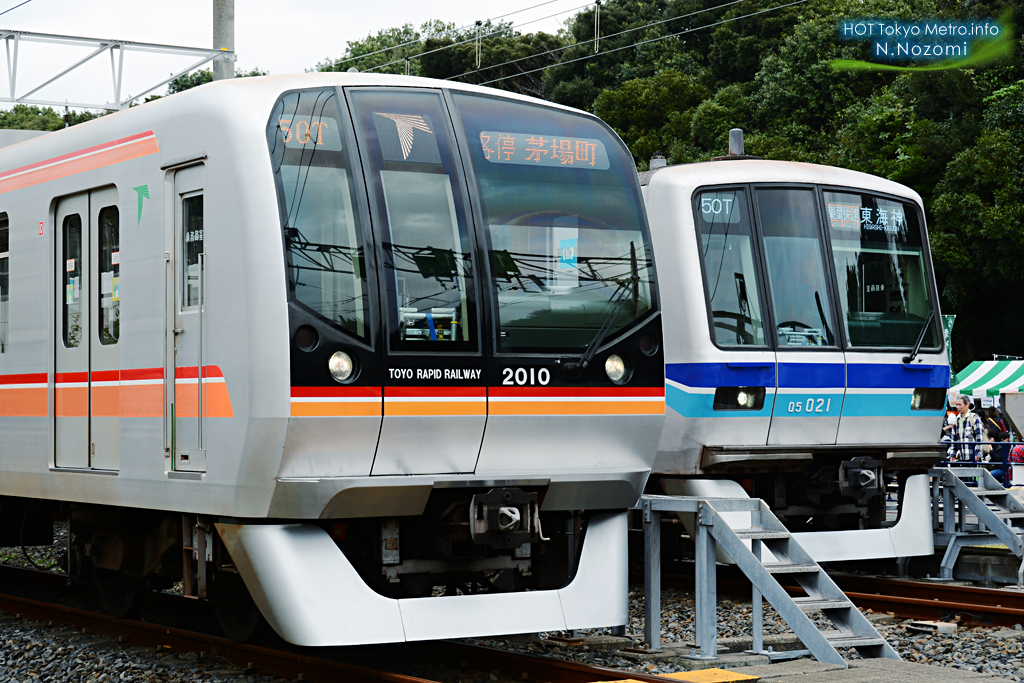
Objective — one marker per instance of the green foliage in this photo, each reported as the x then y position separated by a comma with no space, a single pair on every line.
25,117
201,77
673,76
388,50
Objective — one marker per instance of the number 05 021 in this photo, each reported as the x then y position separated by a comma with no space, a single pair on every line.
811,405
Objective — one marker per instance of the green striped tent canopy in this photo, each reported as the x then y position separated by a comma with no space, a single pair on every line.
990,378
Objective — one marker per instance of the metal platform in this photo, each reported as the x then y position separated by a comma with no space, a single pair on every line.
765,532
957,491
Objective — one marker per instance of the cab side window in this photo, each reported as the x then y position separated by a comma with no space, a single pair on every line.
730,278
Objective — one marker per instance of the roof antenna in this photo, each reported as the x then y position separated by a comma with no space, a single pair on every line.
736,142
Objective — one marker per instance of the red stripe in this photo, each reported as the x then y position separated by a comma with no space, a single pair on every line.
37,378
435,392
570,392
81,152
192,372
141,373
336,392
68,377
106,376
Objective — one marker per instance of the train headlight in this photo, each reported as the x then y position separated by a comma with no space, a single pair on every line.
615,368
341,366
739,398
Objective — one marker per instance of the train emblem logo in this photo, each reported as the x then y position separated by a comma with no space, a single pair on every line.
406,125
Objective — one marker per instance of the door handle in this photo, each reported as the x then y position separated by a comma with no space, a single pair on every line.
178,330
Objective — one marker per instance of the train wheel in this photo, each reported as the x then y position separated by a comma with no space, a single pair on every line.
124,597
237,613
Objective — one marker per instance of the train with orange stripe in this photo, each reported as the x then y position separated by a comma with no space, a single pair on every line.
367,358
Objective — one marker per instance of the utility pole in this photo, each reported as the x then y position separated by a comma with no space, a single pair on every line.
223,37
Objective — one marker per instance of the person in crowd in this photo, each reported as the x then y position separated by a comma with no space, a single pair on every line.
1000,451
968,433
993,418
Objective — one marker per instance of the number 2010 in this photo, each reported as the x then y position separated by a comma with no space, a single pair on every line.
523,376
812,405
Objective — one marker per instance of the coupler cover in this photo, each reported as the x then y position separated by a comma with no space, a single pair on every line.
504,518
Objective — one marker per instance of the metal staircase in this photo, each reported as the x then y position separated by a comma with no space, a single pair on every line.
1000,515
765,532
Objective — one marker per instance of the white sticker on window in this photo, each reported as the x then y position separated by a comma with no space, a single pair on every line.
115,258
106,283
70,265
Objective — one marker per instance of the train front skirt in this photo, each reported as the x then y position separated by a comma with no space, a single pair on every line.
312,596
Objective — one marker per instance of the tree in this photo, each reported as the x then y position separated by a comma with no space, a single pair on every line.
203,76
388,51
508,60
27,117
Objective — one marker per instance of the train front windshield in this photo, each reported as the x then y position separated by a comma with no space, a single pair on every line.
564,219
879,253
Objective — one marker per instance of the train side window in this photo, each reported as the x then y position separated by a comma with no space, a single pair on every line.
110,275
427,254
4,280
796,267
192,237
730,278
71,240
324,251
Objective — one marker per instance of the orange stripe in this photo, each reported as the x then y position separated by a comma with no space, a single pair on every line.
216,400
77,163
142,400
72,402
24,402
410,408
106,401
336,409
654,407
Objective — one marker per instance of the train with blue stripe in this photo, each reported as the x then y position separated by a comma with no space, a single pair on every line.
804,353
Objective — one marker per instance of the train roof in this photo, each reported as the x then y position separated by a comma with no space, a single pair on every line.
234,107
690,176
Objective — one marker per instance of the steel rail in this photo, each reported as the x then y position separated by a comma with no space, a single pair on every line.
905,598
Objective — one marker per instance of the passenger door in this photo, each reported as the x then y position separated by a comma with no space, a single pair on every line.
187,374
811,364
87,403
435,396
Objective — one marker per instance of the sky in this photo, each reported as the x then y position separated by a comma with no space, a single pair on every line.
287,36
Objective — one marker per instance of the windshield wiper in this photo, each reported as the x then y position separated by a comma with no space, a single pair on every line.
621,295
824,324
920,338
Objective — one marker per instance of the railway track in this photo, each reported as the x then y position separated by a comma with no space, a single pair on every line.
905,598
297,663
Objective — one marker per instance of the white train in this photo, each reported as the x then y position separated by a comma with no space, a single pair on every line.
804,353
384,351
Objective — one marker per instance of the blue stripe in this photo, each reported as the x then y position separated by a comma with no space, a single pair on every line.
714,375
812,375
701,405
896,376
884,405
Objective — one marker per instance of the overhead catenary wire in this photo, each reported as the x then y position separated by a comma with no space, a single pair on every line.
15,7
637,44
418,40
467,40
612,35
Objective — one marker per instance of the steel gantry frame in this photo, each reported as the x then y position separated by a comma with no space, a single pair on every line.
12,39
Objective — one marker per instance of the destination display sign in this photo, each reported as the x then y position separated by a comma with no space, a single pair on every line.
310,132
526,149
